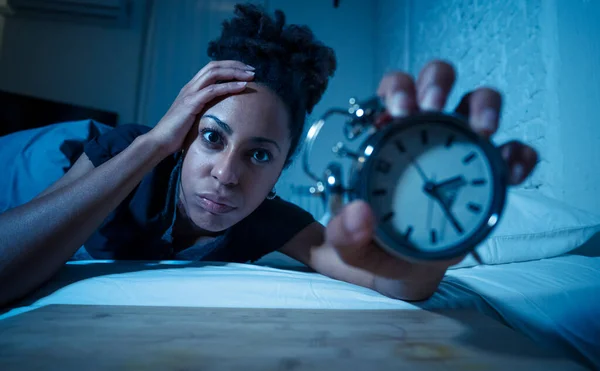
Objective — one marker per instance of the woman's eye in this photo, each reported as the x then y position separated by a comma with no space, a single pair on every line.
261,156
211,136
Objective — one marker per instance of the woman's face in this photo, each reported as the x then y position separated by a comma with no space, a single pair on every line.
235,154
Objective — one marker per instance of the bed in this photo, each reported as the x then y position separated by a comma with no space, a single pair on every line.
541,278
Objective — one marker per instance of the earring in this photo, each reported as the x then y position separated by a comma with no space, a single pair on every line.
272,194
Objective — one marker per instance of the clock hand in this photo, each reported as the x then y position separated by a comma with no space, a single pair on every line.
452,219
446,209
448,189
443,229
430,207
457,181
419,169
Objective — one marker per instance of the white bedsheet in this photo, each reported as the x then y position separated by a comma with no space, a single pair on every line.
554,301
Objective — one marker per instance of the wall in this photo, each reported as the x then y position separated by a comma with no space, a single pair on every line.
3,8
349,30
489,43
391,33
178,36
2,21
75,63
539,54
577,86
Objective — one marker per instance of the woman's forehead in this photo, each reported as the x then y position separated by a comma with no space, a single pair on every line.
254,111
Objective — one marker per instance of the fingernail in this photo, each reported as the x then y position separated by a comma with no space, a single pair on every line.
487,120
251,73
352,222
241,83
397,104
506,153
432,99
530,154
516,175
250,67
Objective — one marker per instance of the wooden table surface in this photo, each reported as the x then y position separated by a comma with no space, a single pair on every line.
68,337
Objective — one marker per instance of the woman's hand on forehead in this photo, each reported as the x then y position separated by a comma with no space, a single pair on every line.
204,87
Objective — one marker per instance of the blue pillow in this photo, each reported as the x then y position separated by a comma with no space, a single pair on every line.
34,159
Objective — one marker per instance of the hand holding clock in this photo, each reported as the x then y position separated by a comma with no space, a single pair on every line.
351,233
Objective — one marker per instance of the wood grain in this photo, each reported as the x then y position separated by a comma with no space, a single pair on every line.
69,337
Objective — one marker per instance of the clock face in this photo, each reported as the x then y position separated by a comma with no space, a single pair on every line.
432,187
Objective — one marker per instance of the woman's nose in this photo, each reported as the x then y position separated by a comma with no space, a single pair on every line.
227,170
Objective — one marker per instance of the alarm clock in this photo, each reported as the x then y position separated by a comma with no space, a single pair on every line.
437,189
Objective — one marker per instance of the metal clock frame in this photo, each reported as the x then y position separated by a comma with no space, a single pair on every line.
363,167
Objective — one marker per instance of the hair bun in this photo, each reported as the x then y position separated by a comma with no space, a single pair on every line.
287,58
259,39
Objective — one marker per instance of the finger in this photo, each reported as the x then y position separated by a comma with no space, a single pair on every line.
434,84
521,160
195,102
397,90
222,64
215,75
482,107
382,119
216,64
351,232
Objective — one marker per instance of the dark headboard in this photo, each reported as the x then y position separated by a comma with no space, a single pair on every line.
21,112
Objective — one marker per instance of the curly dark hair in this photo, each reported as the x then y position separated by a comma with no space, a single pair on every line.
288,59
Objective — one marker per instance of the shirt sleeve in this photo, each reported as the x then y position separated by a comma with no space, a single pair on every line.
104,147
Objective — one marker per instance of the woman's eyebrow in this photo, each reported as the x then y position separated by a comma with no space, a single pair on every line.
226,128
266,140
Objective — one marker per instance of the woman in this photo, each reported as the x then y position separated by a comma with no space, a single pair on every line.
199,185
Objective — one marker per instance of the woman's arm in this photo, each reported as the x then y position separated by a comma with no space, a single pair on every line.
412,281
37,238
82,166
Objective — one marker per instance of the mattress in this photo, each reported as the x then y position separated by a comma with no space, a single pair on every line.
553,301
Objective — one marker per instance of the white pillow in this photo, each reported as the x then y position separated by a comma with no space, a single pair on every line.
534,227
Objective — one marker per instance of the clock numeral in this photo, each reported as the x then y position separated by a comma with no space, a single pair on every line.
388,216
468,158
433,236
380,192
478,182
400,146
476,208
424,138
450,140
383,166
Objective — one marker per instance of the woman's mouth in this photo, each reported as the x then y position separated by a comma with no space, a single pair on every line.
211,204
